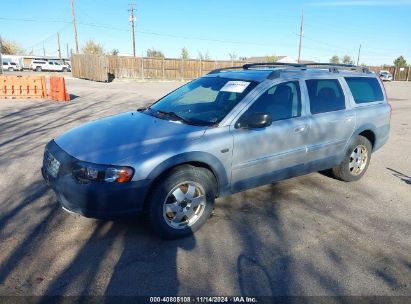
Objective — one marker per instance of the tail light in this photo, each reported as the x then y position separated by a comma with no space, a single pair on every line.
386,97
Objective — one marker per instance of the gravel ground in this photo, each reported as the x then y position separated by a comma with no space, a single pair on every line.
310,235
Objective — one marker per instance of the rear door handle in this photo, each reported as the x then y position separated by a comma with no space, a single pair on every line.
300,129
349,118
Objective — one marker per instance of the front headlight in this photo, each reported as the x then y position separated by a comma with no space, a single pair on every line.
83,172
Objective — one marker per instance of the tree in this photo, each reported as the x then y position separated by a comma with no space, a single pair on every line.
233,56
114,52
9,47
155,53
92,47
347,60
400,62
272,58
335,59
204,56
184,54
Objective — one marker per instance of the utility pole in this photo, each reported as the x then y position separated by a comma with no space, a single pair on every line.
132,20
67,52
359,53
74,25
58,41
301,34
1,58
44,51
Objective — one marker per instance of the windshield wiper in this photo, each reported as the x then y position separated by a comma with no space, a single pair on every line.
175,116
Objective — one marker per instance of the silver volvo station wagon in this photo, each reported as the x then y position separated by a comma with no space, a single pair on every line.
233,129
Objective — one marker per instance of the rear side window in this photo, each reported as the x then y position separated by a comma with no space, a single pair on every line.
365,89
325,95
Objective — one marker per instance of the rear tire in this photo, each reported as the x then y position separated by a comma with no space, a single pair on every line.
10,69
356,160
65,70
181,202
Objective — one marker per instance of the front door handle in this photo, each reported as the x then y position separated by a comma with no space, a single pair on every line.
300,129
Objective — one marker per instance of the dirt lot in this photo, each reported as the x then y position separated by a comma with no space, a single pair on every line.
310,235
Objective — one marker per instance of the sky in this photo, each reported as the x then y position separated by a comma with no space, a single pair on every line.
219,27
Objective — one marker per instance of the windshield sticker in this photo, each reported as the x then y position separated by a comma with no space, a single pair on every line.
235,86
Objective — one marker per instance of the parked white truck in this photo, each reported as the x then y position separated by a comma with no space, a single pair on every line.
50,65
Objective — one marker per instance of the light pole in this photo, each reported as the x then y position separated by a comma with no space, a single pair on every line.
1,58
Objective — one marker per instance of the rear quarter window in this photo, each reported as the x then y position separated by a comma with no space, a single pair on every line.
365,89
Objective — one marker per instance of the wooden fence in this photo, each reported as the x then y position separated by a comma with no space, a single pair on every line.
104,68
92,67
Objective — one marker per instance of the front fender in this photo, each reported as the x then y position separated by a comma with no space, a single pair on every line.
201,157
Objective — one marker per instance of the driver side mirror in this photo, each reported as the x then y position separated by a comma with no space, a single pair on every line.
255,121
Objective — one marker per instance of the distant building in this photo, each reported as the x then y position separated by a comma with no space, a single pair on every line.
27,59
13,58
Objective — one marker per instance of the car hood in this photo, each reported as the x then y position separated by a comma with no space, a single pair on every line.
114,139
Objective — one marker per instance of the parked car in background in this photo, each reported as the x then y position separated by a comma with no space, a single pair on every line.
51,65
11,66
231,130
385,75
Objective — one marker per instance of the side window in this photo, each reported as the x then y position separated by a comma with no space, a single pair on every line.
51,63
282,101
365,89
325,95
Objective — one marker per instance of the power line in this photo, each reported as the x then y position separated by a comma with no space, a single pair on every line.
52,36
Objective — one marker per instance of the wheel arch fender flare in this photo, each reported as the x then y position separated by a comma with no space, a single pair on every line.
364,127
208,160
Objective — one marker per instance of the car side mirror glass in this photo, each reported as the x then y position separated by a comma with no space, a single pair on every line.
255,121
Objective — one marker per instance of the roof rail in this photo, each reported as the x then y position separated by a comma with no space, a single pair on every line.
333,67
272,64
226,69
331,64
250,65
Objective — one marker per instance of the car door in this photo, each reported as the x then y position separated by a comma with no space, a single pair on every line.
331,122
274,152
50,66
57,66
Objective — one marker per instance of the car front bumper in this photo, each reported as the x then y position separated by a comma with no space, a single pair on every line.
92,199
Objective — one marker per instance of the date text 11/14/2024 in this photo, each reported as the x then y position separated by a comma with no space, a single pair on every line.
203,299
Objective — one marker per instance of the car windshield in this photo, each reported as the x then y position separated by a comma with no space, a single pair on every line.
205,101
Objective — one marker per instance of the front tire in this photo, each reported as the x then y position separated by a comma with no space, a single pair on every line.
181,202
10,69
356,160
38,69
